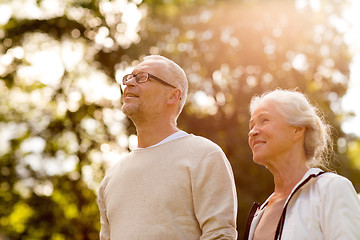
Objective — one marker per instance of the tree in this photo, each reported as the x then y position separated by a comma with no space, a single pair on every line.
61,126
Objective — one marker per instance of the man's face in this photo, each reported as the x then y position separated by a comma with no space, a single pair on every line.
143,101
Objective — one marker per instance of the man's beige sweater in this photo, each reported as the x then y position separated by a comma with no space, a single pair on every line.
183,189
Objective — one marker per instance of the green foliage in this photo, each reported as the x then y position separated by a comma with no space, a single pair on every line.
60,123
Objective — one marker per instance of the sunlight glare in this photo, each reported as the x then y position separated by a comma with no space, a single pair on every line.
133,142
127,29
5,14
72,54
315,5
43,55
30,9
132,16
96,87
46,188
350,101
204,103
300,62
34,144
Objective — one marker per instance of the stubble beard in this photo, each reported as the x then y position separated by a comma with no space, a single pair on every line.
141,114
136,113
132,111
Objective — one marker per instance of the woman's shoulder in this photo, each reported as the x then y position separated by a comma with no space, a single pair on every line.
329,177
330,181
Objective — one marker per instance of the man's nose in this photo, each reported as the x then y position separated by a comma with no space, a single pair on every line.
131,81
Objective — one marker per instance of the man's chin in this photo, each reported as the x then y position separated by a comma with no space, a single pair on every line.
127,109
130,110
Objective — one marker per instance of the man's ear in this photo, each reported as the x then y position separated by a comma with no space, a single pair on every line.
175,96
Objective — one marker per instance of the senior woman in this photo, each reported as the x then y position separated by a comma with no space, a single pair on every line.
289,138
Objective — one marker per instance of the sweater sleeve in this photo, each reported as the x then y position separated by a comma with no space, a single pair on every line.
105,229
214,196
340,213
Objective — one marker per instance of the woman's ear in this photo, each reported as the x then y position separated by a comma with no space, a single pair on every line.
175,96
299,132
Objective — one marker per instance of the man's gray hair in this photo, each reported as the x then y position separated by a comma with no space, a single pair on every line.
177,75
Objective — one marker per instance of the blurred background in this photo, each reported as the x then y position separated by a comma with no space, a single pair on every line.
61,63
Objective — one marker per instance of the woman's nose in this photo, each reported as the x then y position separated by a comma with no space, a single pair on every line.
253,132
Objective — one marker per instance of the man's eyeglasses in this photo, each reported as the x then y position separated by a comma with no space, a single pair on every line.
143,77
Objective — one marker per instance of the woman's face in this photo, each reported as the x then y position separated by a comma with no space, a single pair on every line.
270,136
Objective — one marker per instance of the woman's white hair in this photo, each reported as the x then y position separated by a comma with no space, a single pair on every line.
177,75
298,111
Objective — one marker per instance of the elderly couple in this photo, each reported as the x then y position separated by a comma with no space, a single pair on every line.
178,186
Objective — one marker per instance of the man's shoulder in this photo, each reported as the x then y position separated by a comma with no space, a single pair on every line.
199,142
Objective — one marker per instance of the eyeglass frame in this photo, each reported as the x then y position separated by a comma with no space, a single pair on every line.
148,76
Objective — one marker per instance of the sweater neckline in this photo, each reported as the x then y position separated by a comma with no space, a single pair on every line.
173,141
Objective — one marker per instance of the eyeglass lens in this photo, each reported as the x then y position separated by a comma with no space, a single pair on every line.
139,78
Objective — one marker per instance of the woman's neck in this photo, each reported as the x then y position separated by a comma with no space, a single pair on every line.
286,176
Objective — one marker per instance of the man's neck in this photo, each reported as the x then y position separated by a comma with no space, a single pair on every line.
151,134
